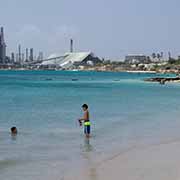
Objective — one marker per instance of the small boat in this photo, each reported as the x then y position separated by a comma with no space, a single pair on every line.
48,79
74,79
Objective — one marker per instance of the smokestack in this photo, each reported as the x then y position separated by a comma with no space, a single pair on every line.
3,46
2,34
71,45
22,57
12,57
27,56
31,58
169,54
19,52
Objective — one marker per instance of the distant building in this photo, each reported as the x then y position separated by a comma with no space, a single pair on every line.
136,59
2,47
70,60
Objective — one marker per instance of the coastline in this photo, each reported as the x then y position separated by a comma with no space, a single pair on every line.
77,70
152,72
159,162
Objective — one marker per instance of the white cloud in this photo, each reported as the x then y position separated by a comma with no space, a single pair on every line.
29,28
54,39
66,31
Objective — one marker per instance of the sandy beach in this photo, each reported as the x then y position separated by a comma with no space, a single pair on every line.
156,162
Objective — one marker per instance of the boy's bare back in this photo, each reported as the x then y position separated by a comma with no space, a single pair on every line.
86,115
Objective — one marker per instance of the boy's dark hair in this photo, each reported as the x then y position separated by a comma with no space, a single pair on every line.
85,106
13,128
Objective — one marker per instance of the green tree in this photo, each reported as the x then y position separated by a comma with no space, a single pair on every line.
153,55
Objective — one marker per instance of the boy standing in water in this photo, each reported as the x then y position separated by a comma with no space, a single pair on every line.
85,119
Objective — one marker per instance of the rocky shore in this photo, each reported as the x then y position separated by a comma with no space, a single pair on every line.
163,80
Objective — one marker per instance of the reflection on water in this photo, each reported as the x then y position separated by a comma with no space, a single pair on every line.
90,171
93,173
87,146
14,137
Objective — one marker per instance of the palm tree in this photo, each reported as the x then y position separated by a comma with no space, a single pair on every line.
153,55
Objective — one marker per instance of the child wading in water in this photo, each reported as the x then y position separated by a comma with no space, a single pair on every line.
85,119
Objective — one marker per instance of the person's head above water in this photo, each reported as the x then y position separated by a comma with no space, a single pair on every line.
85,107
14,130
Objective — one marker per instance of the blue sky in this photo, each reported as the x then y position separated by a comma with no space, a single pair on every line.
109,28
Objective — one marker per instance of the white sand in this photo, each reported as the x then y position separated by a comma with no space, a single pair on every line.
158,162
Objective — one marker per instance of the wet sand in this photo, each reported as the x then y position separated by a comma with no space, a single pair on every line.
157,162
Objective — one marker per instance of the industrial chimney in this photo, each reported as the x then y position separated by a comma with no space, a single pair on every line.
71,45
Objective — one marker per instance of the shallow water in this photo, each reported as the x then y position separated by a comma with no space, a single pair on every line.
45,105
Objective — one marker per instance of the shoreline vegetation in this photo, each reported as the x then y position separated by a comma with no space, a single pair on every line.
164,67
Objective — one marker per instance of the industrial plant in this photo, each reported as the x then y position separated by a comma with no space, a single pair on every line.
18,59
26,59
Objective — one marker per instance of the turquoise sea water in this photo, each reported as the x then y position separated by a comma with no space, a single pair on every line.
125,112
